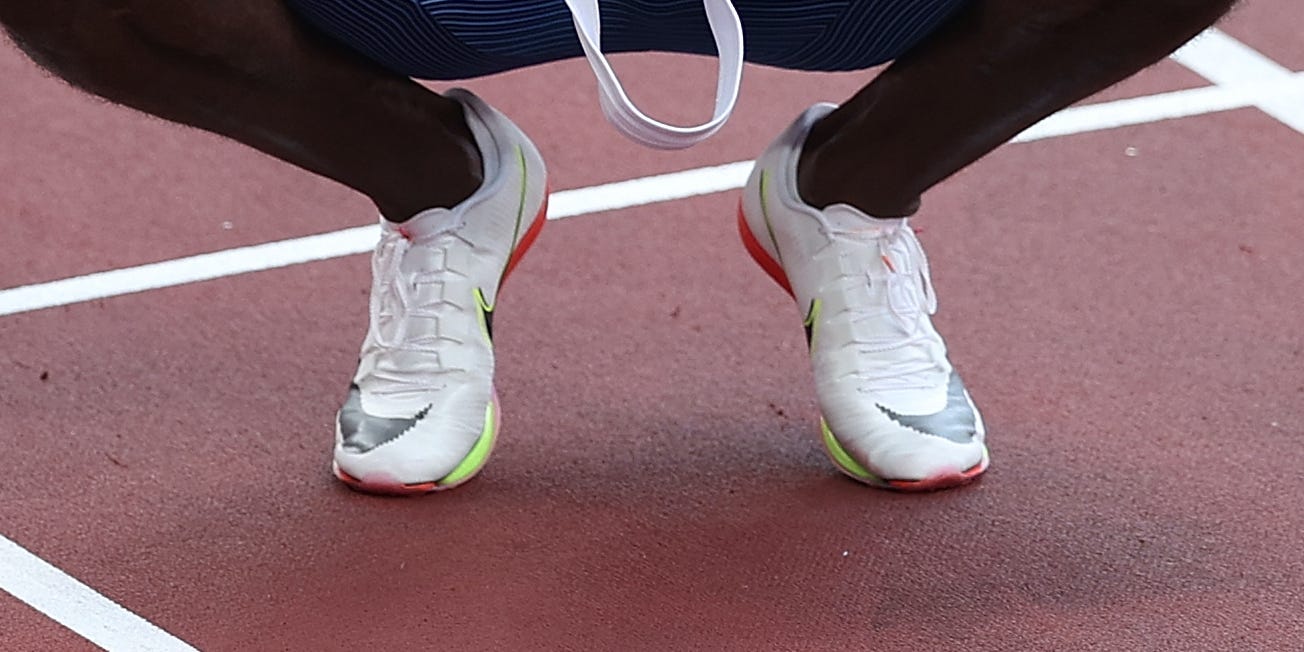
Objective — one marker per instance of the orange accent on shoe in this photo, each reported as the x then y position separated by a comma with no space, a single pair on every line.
387,488
888,261
941,481
762,258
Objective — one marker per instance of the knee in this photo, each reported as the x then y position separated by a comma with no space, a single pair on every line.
1196,7
31,26
1150,16
25,18
112,47
1197,14
66,37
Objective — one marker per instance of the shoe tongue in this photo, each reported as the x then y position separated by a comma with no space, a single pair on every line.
845,217
428,223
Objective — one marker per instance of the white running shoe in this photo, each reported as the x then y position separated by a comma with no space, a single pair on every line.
895,413
421,414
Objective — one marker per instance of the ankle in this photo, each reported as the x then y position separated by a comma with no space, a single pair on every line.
826,176
441,170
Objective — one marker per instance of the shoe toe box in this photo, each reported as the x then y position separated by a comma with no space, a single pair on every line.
423,448
890,446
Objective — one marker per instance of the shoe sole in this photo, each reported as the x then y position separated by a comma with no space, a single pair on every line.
941,480
832,447
384,485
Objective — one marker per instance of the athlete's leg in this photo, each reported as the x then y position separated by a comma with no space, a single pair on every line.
823,211
248,70
467,185
996,68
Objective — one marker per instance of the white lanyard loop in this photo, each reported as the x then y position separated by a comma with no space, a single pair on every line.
620,110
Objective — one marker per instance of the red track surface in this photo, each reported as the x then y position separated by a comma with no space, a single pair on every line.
1129,324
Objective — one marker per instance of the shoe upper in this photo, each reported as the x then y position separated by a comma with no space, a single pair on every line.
425,373
863,287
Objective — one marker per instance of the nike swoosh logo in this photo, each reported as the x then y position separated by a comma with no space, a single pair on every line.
812,320
955,422
363,432
485,312
909,422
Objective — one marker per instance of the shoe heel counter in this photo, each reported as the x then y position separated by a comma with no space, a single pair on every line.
535,204
534,198
516,144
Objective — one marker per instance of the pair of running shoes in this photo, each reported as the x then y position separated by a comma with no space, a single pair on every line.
421,414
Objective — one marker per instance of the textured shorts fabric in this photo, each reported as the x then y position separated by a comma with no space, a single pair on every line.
461,39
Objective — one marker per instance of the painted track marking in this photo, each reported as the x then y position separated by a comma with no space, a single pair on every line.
77,606
1241,78
1230,64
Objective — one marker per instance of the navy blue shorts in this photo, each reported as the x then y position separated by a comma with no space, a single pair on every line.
460,39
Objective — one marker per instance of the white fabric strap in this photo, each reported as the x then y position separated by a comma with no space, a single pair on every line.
620,110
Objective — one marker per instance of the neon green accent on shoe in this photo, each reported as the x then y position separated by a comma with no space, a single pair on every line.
476,458
765,214
520,209
842,459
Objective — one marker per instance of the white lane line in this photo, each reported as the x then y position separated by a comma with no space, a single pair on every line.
1165,106
1230,64
77,606
191,269
605,197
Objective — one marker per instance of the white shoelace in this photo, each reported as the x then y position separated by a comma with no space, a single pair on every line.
909,301
395,302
